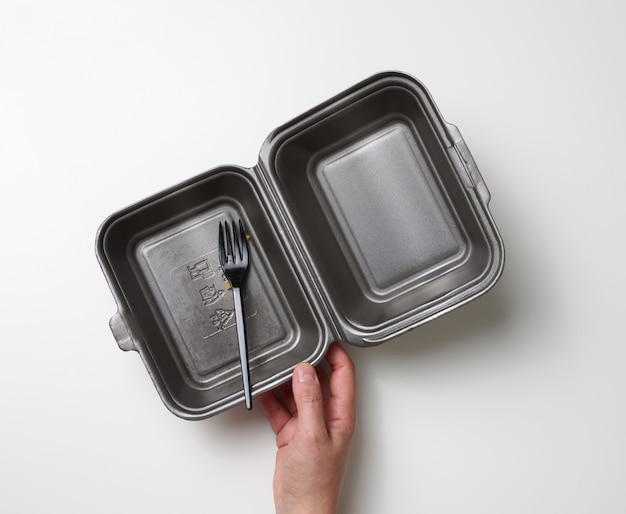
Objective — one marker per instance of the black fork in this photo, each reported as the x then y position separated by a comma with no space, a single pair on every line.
233,251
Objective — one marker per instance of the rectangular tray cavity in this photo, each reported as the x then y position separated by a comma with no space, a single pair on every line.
163,256
389,228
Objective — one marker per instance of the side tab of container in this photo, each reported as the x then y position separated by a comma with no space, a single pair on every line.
121,332
460,152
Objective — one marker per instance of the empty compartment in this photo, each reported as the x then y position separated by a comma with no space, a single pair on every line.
385,222
163,255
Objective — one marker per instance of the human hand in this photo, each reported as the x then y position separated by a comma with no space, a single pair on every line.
314,418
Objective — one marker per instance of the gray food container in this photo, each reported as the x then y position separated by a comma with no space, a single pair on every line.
367,217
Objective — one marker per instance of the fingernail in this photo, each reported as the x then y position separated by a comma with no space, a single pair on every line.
305,373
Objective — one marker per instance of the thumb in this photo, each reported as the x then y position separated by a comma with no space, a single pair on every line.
307,393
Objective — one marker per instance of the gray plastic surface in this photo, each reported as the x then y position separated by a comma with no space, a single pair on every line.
367,217
387,206
161,259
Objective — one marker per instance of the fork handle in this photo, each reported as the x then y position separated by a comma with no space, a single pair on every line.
243,347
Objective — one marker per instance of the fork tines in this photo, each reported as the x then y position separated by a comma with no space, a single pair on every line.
233,251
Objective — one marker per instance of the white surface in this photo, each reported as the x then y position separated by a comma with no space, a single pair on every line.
514,403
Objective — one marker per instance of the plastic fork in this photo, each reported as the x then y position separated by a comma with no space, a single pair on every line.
233,252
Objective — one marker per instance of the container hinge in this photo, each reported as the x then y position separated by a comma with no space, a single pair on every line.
467,161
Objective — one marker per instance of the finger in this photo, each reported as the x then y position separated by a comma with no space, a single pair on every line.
276,413
342,376
307,393
285,395
323,375
341,406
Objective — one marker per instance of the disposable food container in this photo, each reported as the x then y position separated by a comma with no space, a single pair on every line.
366,216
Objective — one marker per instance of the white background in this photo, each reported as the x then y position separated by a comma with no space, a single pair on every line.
514,403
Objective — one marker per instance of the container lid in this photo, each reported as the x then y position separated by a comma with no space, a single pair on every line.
386,206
